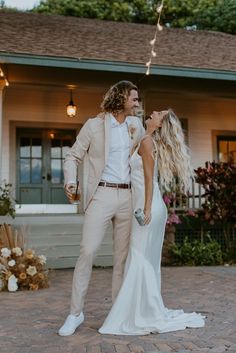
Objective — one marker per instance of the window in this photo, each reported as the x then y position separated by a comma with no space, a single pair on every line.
226,149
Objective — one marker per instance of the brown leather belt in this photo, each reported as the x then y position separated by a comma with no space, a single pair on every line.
113,185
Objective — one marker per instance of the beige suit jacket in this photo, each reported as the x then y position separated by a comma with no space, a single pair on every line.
93,141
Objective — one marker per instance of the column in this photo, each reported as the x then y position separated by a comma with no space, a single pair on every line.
2,85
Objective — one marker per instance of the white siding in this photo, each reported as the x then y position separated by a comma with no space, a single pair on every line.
204,114
41,107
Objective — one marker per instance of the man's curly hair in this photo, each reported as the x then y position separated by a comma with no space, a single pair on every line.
115,98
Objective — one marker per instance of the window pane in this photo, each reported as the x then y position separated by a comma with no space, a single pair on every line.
24,171
24,147
36,147
56,148
36,171
227,151
56,171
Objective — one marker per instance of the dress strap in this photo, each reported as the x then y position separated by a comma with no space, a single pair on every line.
154,152
155,147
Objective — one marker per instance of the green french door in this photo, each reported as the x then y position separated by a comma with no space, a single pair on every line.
40,155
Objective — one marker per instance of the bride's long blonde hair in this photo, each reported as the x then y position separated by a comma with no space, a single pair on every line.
172,154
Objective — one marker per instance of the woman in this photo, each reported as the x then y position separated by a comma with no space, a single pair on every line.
138,308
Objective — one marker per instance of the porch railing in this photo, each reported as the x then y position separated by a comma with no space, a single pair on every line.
193,201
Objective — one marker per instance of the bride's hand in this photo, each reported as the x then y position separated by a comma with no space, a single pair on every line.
147,216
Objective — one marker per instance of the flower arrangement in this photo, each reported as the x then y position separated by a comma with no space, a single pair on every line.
20,268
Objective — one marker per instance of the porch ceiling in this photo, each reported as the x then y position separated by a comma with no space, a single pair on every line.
21,75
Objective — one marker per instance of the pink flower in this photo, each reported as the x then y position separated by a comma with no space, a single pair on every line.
167,199
173,219
191,213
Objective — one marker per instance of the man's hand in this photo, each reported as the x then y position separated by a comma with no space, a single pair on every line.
70,190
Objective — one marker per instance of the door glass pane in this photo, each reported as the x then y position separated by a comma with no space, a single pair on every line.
36,171
40,155
24,171
56,171
24,147
36,147
56,148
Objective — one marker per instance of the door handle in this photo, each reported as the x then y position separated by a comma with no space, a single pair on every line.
49,177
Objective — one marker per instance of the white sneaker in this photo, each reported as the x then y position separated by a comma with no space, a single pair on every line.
71,324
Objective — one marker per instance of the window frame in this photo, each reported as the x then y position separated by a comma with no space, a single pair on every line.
218,135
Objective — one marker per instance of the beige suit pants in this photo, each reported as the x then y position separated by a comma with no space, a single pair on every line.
108,204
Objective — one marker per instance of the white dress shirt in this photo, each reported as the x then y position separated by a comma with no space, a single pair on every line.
117,169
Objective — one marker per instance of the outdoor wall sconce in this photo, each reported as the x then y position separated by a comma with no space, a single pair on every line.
71,107
3,77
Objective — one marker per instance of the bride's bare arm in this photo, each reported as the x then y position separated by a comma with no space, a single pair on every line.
146,152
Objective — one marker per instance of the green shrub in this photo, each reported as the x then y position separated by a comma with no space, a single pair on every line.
197,253
6,201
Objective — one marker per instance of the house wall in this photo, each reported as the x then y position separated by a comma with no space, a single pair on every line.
38,96
40,107
40,101
204,115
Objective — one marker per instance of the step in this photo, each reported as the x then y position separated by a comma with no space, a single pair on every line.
58,237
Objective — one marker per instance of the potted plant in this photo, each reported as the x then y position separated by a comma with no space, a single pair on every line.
7,202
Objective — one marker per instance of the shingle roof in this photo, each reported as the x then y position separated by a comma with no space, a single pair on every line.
72,37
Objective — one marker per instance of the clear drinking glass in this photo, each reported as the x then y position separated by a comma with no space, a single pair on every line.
75,194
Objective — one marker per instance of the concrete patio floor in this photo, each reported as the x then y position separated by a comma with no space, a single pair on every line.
29,320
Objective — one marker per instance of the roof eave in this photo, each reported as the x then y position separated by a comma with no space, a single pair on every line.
115,66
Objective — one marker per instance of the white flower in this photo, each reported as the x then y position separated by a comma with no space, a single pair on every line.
42,259
11,263
17,251
5,252
12,284
31,270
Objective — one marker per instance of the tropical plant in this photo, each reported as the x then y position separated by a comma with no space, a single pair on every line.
219,183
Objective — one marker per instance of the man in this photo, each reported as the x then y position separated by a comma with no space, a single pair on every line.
108,141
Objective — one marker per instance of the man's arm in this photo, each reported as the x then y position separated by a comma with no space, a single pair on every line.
76,155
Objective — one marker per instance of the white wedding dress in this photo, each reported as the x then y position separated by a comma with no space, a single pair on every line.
138,308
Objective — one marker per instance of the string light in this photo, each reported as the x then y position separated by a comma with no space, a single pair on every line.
153,41
2,75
